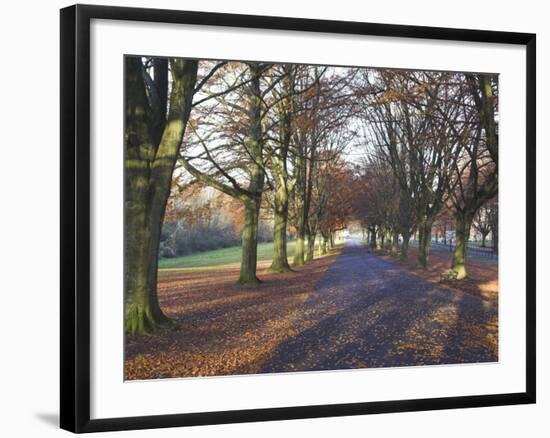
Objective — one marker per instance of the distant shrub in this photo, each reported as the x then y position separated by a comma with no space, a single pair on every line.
166,251
183,239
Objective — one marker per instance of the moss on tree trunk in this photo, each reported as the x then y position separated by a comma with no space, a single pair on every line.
280,258
405,246
463,224
254,146
374,239
310,246
299,250
395,243
424,241
283,183
142,311
249,240
150,155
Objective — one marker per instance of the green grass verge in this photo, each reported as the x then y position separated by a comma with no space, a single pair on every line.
218,257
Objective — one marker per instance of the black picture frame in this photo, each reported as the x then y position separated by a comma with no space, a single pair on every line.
75,217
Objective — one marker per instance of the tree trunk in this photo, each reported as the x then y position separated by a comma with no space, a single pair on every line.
142,311
281,177
463,224
299,250
148,172
483,239
310,246
280,259
331,240
405,246
374,237
300,195
249,244
424,241
255,187
395,243
324,244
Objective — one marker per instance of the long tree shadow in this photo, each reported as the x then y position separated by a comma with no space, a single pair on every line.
216,312
364,312
389,319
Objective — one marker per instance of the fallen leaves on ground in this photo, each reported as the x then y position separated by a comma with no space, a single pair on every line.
482,278
221,327
365,312
482,282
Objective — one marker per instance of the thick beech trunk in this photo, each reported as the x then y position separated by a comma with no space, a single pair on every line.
142,311
299,250
252,204
280,259
310,246
282,184
395,243
149,163
405,246
463,224
249,240
424,241
374,239
300,200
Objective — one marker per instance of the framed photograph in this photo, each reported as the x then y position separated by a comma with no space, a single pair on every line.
268,218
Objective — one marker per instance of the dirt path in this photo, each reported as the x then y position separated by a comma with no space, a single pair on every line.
354,310
221,328
368,312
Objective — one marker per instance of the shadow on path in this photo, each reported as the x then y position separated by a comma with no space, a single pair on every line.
366,312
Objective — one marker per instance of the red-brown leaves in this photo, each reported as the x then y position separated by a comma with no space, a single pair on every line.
221,328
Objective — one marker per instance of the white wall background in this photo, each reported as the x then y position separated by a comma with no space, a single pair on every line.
29,237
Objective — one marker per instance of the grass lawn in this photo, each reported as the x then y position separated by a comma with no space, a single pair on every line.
223,256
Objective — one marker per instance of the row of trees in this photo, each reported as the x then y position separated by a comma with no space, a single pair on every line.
277,139
432,143
269,136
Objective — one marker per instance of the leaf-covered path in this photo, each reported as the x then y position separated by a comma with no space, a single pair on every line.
368,312
351,310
